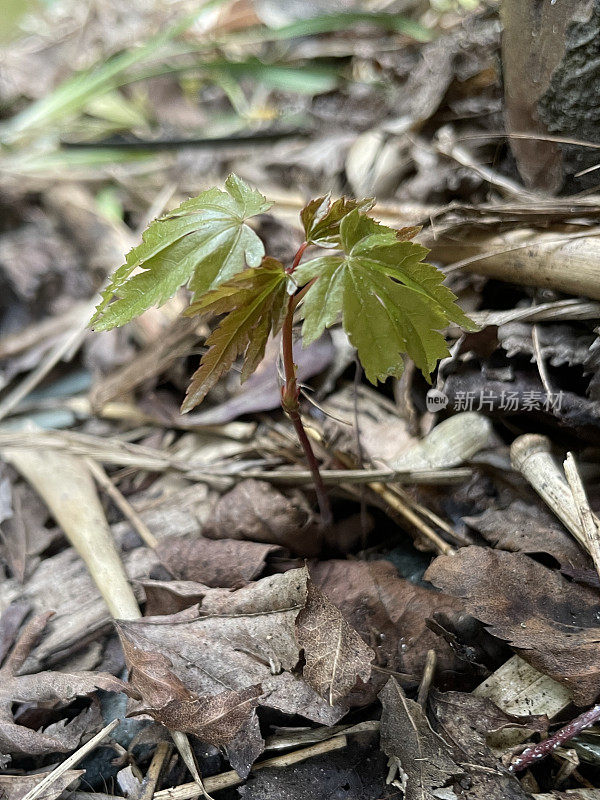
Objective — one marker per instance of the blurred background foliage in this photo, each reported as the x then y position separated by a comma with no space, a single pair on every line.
89,86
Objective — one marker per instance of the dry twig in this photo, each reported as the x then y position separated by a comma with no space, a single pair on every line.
71,761
226,780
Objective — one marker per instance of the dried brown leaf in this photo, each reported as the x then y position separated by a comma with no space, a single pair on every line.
151,677
10,622
215,719
256,511
215,562
423,758
464,721
169,597
234,642
389,612
77,730
42,687
246,746
334,652
45,687
14,787
551,623
454,760
529,528
23,534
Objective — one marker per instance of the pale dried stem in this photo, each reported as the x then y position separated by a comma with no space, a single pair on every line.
185,751
74,759
448,147
450,443
539,359
565,262
104,481
161,755
125,454
589,522
403,509
531,456
396,503
229,779
41,332
66,486
68,344
517,687
559,310
427,679
429,514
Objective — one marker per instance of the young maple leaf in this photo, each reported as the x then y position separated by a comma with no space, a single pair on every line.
255,302
202,243
391,302
321,218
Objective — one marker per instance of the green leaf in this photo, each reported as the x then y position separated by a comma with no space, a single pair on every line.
345,20
255,302
307,79
391,302
321,218
202,243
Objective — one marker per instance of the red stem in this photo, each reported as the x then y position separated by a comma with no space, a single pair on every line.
297,257
290,394
300,295
538,751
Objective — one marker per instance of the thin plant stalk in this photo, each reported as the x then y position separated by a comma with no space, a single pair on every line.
290,396
539,751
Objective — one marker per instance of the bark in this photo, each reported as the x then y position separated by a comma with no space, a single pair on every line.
551,67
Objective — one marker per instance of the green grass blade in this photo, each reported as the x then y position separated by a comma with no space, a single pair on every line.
77,91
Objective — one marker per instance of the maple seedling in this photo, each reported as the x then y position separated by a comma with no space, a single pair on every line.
391,303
